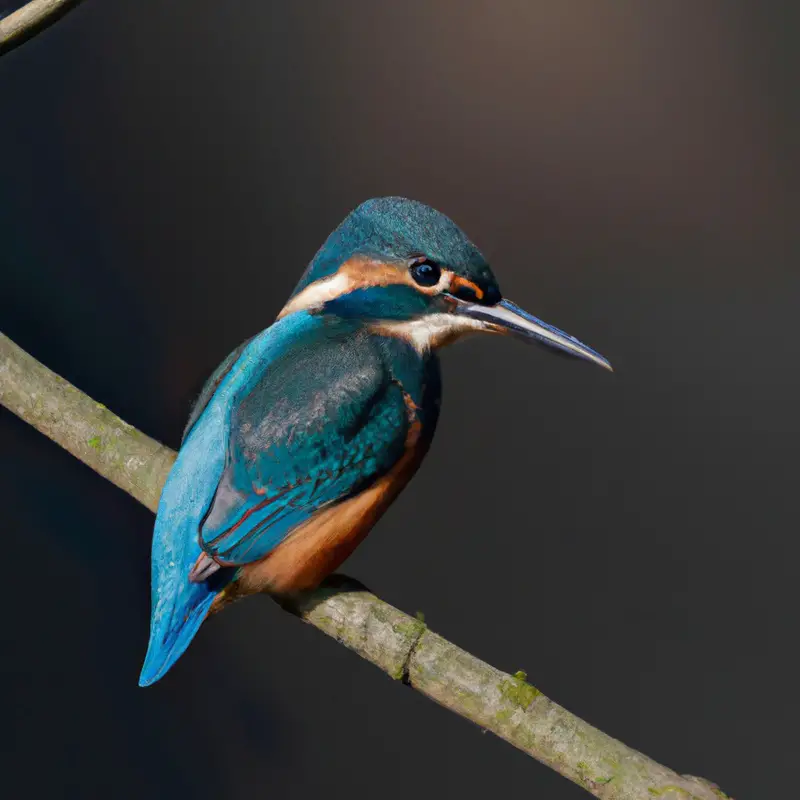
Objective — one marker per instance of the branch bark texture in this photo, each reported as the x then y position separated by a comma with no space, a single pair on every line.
29,20
402,646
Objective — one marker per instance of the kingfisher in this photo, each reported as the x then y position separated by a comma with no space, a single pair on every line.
307,432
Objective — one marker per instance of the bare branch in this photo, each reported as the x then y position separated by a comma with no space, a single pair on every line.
400,645
29,20
88,430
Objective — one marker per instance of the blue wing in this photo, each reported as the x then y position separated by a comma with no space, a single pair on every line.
294,418
320,425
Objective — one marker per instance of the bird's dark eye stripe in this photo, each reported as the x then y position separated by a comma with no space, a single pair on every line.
425,272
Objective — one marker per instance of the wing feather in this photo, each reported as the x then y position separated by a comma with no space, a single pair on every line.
320,425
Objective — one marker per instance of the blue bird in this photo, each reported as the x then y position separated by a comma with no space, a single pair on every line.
306,433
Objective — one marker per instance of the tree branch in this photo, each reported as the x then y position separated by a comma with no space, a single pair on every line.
29,20
400,645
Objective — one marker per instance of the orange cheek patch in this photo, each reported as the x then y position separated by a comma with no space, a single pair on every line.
363,272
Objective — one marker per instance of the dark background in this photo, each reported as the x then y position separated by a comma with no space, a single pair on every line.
167,169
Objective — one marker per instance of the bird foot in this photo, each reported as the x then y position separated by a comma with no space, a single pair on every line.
203,568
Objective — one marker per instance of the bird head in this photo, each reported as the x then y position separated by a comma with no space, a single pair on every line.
407,270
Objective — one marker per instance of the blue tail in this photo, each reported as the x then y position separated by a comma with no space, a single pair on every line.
168,642
179,606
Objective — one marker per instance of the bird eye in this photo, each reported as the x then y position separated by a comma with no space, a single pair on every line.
425,272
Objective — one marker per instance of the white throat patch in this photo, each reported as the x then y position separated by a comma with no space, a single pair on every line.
431,331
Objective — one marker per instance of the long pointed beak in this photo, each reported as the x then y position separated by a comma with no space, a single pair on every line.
507,317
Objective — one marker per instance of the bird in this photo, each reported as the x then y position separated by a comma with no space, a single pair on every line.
306,433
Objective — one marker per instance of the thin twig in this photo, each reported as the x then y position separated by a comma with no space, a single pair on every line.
400,645
29,20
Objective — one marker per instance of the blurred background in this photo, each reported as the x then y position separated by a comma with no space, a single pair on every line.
631,172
